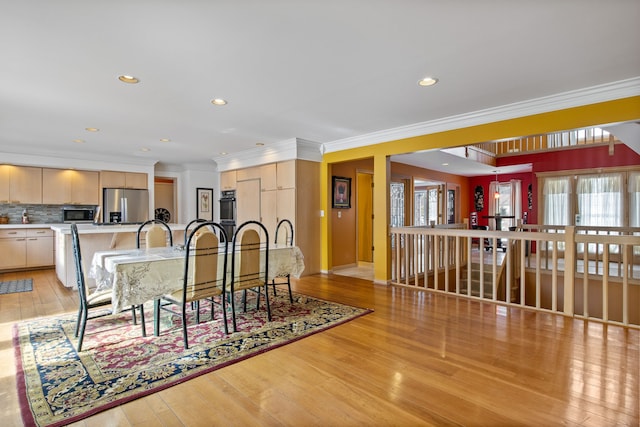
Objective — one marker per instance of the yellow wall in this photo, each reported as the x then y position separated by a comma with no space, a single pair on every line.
620,110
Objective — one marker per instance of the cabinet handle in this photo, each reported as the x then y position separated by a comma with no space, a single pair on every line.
21,240
40,232
33,238
12,232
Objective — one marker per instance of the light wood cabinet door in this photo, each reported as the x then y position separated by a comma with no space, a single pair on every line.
39,248
286,206
268,208
228,180
268,177
136,180
286,174
70,187
13,247
248,201
56,186
115,179
5,183
26,185
85,188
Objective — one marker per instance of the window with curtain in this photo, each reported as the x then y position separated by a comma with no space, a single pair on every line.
600,200
556,197
634,199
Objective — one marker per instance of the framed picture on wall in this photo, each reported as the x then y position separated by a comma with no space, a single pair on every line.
204,198
341,192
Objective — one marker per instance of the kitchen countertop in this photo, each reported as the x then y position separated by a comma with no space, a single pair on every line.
87,228
105,229
20,225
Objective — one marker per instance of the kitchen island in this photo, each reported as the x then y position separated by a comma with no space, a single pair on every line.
95,238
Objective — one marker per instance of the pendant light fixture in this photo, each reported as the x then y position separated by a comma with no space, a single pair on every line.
496,195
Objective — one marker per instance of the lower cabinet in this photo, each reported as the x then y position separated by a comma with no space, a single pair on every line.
26,248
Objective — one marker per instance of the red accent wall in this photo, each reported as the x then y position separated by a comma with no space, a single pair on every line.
569,159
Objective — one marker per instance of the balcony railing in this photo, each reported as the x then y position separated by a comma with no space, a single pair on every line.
531,268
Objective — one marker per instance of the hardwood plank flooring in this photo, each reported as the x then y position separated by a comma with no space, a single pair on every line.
419,359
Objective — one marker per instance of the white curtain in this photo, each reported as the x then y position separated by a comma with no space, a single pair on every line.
491,200
600,200
556,194
634,199
516,199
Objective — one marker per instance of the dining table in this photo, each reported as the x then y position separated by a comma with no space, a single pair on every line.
136,276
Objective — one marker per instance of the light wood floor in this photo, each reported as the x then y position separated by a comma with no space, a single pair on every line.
419,359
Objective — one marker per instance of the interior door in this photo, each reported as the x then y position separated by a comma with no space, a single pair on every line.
364,194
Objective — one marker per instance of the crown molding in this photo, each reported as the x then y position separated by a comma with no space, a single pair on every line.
289,149
575,98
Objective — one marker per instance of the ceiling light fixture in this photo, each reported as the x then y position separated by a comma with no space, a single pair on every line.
145,149
91,129
259,144
128,79
223,153
428,81
165,140
79,141
218,101
496,195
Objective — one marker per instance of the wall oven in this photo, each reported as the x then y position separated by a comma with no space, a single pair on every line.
228,212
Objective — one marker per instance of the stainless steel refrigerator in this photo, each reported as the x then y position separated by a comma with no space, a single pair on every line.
124,205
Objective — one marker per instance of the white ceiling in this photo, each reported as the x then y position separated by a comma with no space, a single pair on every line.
316,70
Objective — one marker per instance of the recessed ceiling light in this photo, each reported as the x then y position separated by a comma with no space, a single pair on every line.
223,153
145,149
445,164
128,79
91,129
428,81
165,140
259,144
218,101
79,141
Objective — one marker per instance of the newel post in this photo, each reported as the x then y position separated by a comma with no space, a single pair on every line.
569,268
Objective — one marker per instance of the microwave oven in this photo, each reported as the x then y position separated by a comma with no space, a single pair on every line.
70,215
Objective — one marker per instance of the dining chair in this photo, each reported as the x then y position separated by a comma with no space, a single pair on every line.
88,301
203,277
191,224
286,238
250,264
157,235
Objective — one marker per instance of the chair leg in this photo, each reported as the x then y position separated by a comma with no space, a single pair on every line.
197,305
144,327
156,318
273,285
289,286
78,321
184,323
233,312
133,314
83,325
266,297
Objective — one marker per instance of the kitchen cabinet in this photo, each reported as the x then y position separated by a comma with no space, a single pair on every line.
26,248
228,180
286,174
72,187
114,179
13,247
20,184
40,247
296,197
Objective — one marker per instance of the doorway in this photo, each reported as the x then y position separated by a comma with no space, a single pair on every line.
164,203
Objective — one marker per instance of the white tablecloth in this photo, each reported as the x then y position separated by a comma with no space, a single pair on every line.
140,275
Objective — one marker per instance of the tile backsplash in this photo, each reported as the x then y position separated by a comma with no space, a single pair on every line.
38,214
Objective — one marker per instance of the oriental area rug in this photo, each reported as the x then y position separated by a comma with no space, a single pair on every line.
57,385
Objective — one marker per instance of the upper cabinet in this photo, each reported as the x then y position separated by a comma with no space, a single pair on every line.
70,187
286,174
268,177
228,180
20,184
113,179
